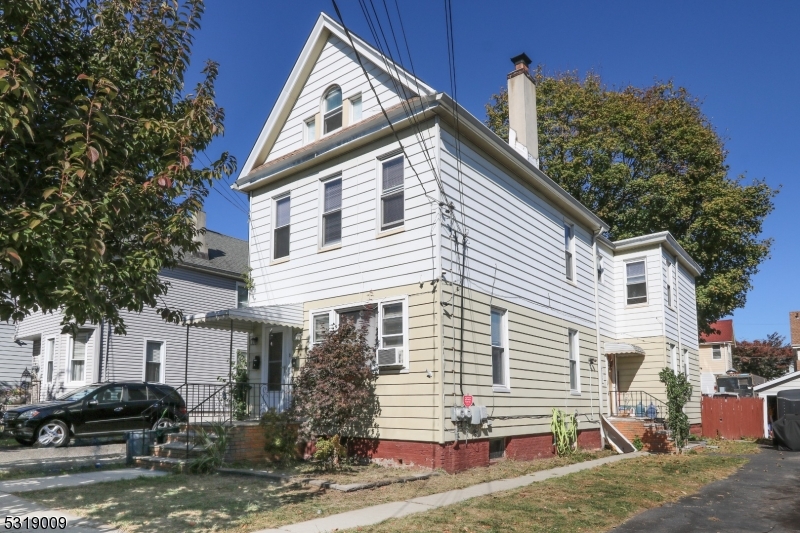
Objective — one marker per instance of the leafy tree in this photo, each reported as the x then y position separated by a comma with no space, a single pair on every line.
99,176
679,392
334,392
769,358
647,160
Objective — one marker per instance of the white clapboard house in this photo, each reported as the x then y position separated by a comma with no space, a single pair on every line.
484,278
151,350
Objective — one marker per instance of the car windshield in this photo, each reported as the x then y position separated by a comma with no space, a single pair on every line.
79,394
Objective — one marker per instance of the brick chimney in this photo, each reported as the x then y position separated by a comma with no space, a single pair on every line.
523,134
200,224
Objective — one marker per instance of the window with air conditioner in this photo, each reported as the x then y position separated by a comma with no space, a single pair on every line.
392,193
635,283
390,352
281,233
332,110
332,212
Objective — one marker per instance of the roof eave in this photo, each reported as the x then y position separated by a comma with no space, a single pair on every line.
663,237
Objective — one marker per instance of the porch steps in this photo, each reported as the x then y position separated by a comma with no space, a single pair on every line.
166,464
177,450
654,436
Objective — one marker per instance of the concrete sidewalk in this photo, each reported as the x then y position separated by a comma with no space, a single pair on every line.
19,508
378,513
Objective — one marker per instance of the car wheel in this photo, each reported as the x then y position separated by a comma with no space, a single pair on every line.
163,423
25,442
53,433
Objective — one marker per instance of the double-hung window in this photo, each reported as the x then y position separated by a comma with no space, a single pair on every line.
332,212
282,227
78,360
332,119
601,268
569,251
499,349
670,284
242,296
392,325
392,194
636,282
574,362
153,361
686,362
310,130
49,349
321,325
716,351
673,356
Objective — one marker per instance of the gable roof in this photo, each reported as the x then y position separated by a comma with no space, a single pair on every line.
323,29
725,328
226,255
777,381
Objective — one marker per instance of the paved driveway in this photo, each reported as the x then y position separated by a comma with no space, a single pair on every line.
762,497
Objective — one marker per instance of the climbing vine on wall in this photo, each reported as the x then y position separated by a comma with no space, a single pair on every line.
679,392
565,432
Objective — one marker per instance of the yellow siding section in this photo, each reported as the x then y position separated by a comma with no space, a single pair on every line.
715,366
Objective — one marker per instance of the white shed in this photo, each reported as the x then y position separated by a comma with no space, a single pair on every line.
770,389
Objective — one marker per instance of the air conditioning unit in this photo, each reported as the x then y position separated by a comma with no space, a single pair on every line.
390,357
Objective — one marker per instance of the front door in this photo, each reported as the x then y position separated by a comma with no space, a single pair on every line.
275,391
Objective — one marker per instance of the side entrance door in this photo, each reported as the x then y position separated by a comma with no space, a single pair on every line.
275,392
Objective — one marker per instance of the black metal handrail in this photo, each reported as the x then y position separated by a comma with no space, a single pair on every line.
233,401
639,404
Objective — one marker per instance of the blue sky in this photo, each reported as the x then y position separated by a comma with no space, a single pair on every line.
740,58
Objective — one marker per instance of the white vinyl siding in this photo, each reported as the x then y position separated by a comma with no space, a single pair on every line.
336,64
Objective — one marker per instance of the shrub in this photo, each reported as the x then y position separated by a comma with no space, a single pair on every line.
214,442
565,432
330,452
637,443
281,436
334,392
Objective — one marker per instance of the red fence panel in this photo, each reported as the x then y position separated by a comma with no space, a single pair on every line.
732,418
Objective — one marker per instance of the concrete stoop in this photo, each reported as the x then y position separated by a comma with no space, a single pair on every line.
655,437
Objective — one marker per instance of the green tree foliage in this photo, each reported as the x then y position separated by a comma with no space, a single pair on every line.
647,160
679,392
769,358
99,176
334,392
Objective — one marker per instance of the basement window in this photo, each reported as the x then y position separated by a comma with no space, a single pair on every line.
497,448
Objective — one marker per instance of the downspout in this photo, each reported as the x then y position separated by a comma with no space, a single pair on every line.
678,309
597,341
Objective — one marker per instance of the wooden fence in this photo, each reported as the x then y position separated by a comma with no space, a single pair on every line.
732,418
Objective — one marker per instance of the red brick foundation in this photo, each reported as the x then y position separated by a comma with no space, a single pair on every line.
696,429
246,442
456,457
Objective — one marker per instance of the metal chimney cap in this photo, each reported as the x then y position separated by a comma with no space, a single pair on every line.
522,58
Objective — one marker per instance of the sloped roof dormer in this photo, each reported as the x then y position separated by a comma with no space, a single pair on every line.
328,36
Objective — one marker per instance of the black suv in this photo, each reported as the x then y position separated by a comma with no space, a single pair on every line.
98,410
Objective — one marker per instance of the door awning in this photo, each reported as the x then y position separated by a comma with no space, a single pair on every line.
244,318
622,349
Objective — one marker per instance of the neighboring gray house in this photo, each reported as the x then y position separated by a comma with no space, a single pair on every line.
152,350
15,356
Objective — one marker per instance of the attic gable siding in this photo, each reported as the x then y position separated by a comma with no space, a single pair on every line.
337,64
688,306
605,292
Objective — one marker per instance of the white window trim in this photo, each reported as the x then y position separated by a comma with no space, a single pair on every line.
670,300
306,124
673,356
379,161
351,99
686,362
720,352
625,282
505,388
86,368
574,343
321,212
274,226
52,359
572,246
601,269
162,370
332,311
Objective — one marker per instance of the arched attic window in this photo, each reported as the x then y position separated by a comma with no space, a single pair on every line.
332,110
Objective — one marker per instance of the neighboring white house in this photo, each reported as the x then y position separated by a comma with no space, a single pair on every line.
768,392
151,350
15,357
478,274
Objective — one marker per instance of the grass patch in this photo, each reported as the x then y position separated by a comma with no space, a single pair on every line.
12,474
238,503
732,447
593,500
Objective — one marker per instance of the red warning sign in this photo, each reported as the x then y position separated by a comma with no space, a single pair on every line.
467,400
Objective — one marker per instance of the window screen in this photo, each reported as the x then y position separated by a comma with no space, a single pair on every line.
355,106
282,235
568,259
574,369
311,131
636,282
392,325
321,327
392,197
78,362
332,213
